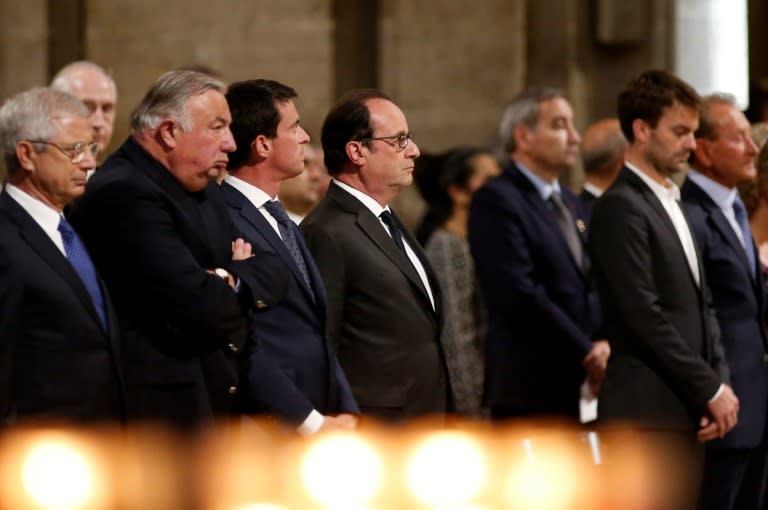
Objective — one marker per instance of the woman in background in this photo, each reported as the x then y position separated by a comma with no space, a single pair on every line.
448,189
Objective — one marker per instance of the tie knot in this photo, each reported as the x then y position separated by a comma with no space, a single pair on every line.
275,208
65,228
386,216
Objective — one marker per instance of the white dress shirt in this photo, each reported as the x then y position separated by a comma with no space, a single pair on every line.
376,208
722,196
669,196
258,198
44,215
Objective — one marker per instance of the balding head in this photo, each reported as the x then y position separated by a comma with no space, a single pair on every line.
603,148
97,90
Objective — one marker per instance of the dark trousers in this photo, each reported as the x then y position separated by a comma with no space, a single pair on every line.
734,479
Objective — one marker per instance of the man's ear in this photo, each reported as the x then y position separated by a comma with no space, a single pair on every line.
26,154
641,130
355,152
167,133
701,152
261,146
521,135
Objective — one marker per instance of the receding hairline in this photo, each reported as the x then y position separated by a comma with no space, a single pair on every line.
64,77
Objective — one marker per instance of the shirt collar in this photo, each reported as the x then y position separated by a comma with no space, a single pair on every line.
721,195
369,202
669,192
47,217
255,195
544,188
598,192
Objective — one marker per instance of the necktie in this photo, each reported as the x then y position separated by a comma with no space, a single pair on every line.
746,234
287,230
81,262
568,227
394,230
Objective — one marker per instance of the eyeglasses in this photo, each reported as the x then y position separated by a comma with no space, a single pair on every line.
399,141
75,152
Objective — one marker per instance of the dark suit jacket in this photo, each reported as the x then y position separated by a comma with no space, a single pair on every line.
292,333
56,361
666,361
738,299
543,309
183,328
587,202
380,318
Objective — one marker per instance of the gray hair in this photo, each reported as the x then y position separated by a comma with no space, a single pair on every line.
523,110
63,79
29,115
168,96
706,123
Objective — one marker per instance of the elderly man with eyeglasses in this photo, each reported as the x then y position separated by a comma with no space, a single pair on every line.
58,332
384,311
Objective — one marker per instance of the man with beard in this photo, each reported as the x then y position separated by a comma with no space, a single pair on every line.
666,375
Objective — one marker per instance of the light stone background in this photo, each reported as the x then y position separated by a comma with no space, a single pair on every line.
451,65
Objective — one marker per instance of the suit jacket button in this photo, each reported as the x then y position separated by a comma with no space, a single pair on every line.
765,357
233,348
261,304
232,390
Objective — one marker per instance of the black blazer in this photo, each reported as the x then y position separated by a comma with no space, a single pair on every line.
667,359
183,328
380,318
739,302
56,360
543,309
587,202
292,333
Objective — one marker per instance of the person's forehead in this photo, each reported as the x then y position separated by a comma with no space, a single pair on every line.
679,112
208,106
385,113
89,81
71,127
555,107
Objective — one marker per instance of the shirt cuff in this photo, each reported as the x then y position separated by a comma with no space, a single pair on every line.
717,395
237,284
312,424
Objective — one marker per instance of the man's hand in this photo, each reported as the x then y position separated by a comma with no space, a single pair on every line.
340,422
707,429
595,362
724,411
241,250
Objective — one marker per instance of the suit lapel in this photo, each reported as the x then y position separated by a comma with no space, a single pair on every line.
253,217
41,244
716,217
374,230
548,215
652,200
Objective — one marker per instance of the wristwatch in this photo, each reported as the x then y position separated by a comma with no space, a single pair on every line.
223,274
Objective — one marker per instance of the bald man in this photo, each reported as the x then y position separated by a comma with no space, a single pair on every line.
603,147
94,87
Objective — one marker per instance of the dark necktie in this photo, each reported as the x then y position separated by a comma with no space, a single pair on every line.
746,234
287,230
568,227
81,262
394,230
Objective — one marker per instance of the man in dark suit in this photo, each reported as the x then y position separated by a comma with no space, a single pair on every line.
383,299
723,158
666,375
527,236
602,153
58,331
182,280
270,141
